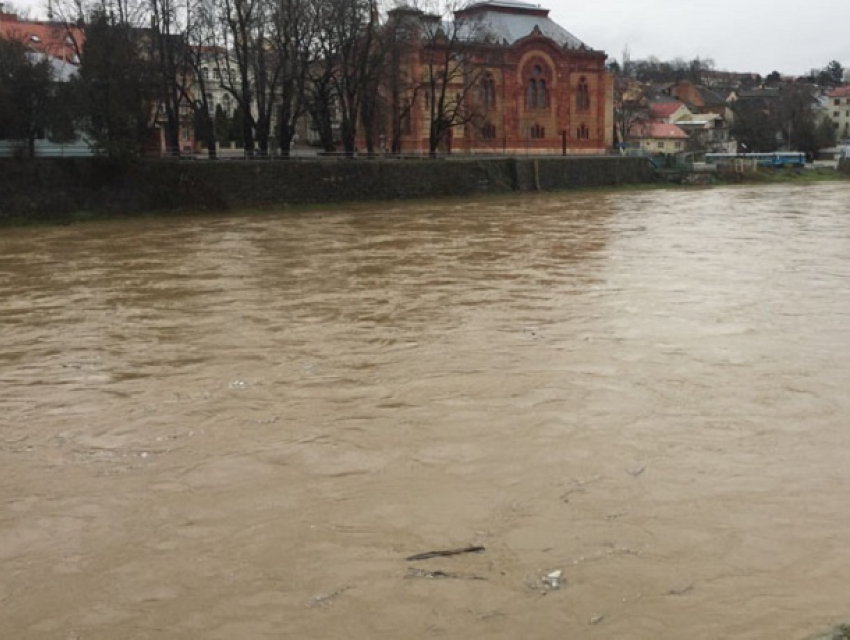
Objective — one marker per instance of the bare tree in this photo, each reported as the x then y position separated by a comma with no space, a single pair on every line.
401,35
320,91
321,103
372,105
351,34
168,50
234,62
266,69
295,29
630,108
449,42
200,48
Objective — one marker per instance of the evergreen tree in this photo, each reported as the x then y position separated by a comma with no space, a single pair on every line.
753,128
116,87
25,99
825,135
832,75
64,113
795,117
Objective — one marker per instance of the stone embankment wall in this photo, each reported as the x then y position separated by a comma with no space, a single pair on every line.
59,189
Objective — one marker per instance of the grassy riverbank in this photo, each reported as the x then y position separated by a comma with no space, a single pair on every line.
787,175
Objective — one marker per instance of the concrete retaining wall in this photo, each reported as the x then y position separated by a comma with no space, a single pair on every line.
56,189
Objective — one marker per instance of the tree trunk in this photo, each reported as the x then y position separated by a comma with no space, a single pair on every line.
369,125
172,130
434,139
286,132
395,137
348,138
209,137
248,133
263,137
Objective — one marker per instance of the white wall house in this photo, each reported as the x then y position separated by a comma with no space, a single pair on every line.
838,111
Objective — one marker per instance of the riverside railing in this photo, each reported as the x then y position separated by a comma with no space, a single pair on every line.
314,155
14,149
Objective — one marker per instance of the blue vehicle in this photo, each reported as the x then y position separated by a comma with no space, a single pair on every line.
776,160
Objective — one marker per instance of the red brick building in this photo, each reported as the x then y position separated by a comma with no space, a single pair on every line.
536,88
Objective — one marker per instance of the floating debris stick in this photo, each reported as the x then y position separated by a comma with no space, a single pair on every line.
444,554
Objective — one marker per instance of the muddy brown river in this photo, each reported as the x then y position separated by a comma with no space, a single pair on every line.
239,428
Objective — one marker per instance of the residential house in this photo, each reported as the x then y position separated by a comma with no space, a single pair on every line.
838,111
54,39
762,97
57,44
697,98
658,138
669,112
708,132
708,119
62,45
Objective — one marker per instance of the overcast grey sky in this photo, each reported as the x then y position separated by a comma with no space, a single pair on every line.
739,35
792,37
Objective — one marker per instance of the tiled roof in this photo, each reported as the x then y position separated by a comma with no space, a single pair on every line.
50,38
766,93
664,109
658,130
840,92
709,97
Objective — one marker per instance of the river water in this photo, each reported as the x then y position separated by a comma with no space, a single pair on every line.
240,427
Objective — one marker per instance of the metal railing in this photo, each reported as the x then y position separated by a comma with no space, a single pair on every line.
312,154
45,149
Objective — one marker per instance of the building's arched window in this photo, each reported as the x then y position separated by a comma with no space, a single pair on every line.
488,92
537,132
542,95
537,94
582,95
531,98
488,131
583,133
